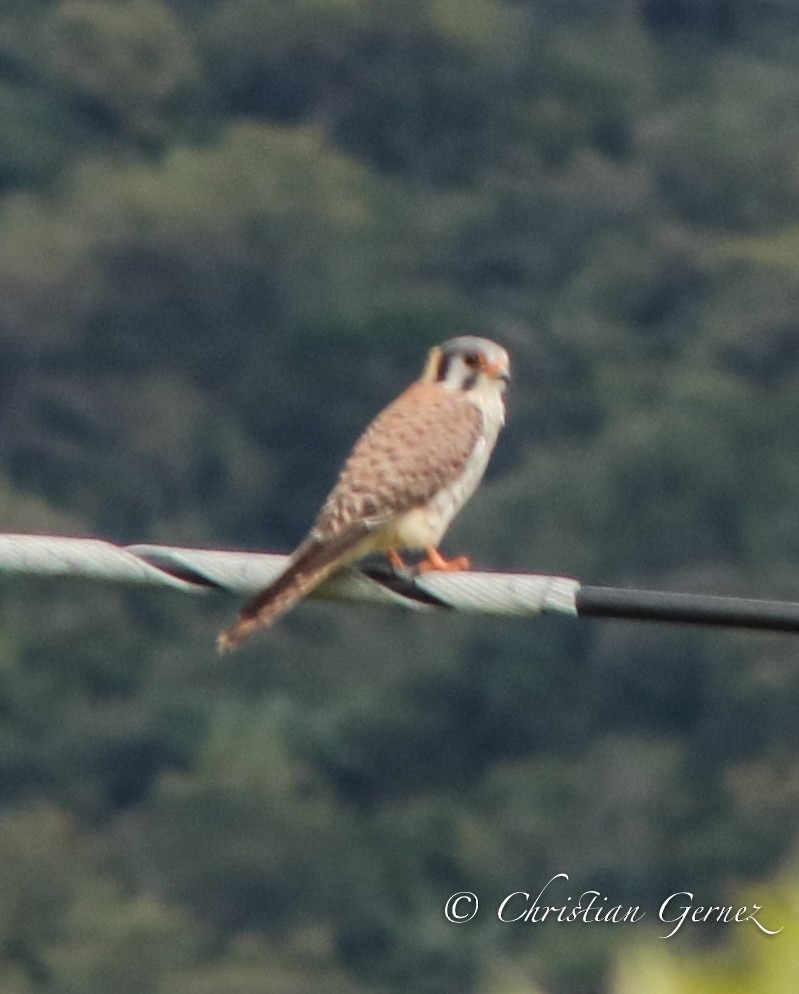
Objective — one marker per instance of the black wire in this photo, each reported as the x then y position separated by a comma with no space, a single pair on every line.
696,609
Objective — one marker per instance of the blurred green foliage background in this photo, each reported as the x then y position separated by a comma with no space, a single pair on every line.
229,231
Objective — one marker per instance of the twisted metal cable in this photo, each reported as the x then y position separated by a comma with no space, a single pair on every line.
199,570
245,573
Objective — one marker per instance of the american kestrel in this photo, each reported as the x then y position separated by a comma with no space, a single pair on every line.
409,474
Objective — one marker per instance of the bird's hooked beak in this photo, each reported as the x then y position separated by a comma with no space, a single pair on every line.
498,370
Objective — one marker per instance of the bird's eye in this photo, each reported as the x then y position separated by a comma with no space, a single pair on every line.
472,359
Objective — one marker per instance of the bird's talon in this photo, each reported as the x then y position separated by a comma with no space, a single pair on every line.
435,562
396,561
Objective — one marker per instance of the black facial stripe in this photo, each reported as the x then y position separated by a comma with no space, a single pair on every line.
443,367
471,379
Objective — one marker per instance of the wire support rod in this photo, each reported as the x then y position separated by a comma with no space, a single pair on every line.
244,573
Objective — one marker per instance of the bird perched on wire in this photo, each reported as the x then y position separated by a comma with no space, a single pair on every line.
407,477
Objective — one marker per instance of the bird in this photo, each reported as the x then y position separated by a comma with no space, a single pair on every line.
408,475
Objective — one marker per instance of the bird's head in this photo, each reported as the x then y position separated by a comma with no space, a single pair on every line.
468,363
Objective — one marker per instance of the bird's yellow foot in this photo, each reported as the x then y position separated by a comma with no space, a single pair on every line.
396,560
435,561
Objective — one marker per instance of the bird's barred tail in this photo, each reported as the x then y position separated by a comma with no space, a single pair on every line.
265,608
